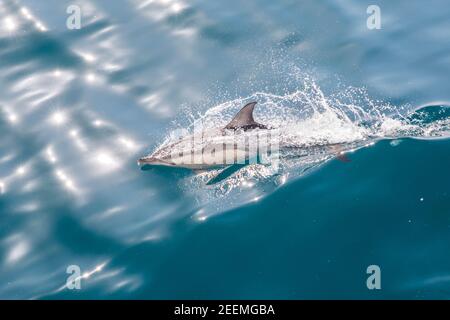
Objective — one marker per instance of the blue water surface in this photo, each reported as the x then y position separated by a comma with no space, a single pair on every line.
79,107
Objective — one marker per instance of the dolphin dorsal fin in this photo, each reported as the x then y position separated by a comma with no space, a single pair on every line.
244,119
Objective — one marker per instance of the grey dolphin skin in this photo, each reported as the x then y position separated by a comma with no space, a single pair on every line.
181,153
244,119
232,147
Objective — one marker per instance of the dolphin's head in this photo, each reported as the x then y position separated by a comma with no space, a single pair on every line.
161,157
154,161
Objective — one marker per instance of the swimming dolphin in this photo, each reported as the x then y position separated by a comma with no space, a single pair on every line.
200,151
232,147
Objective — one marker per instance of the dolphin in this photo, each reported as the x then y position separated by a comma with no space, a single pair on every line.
200,151
231,147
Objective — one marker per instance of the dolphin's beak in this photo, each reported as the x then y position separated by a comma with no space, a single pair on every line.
153,161
146,160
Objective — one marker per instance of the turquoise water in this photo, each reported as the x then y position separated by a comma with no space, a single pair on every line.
79,107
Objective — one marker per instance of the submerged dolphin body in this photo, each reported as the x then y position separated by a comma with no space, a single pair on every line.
230,147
